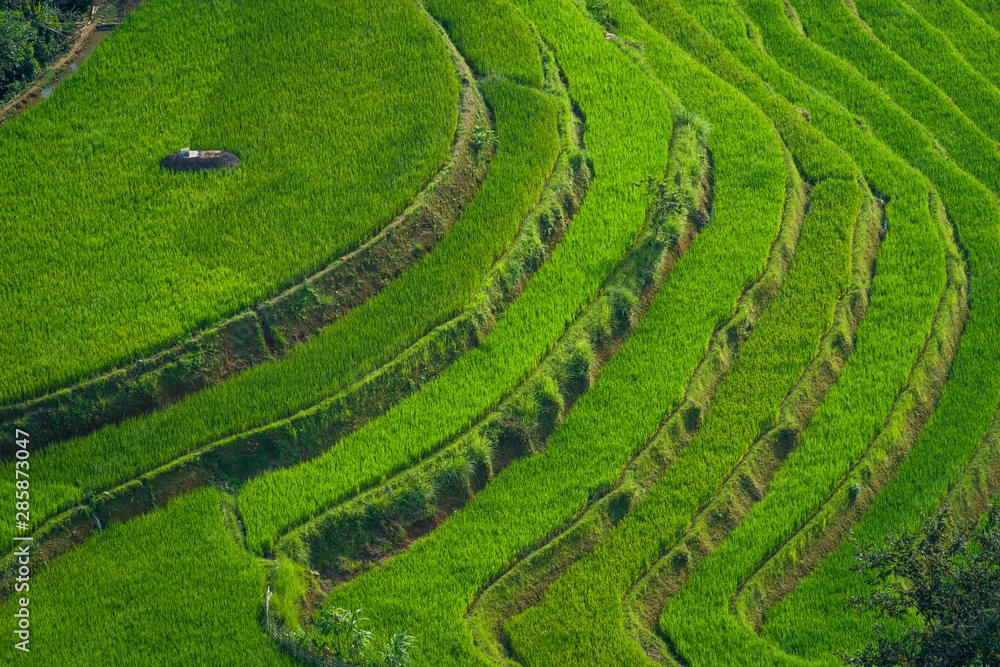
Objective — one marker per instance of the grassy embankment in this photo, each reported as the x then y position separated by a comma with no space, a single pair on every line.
124,255
434,580
580,618
917,149
438,287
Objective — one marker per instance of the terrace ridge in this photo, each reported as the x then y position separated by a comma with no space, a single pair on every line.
270,329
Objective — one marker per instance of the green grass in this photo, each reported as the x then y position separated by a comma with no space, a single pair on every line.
177,586
963,115
539,405
697,619
123,255
447,405
973,38
988,10
930,52
579,620
289,587
963,411
170,588
816,620
493,37
433,290
429,587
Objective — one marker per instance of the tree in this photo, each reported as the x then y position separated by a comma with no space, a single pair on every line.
941,591
30,38
17,48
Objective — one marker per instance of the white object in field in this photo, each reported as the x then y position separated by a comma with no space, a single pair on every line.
187,152
192,153
46,92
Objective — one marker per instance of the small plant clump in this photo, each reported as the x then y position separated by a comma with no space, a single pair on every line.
338,633
602,14
669,204
674,198
853,491
481,138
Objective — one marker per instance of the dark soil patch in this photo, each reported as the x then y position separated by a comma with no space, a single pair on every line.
200,160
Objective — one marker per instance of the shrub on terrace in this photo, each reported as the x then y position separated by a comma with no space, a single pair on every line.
945,582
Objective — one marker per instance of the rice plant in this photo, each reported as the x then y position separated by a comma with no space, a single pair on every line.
433,290
434,580
987,10
876,84
800,632
580,619
173,587
974,39
527,121
926,50
340,112
114,255
493,37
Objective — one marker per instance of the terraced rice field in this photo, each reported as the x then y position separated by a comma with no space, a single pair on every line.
543,332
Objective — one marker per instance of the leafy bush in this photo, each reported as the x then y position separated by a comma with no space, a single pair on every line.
29,40
940,590
481,138
339,633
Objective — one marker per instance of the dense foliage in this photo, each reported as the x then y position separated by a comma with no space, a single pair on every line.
944,585
32,35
